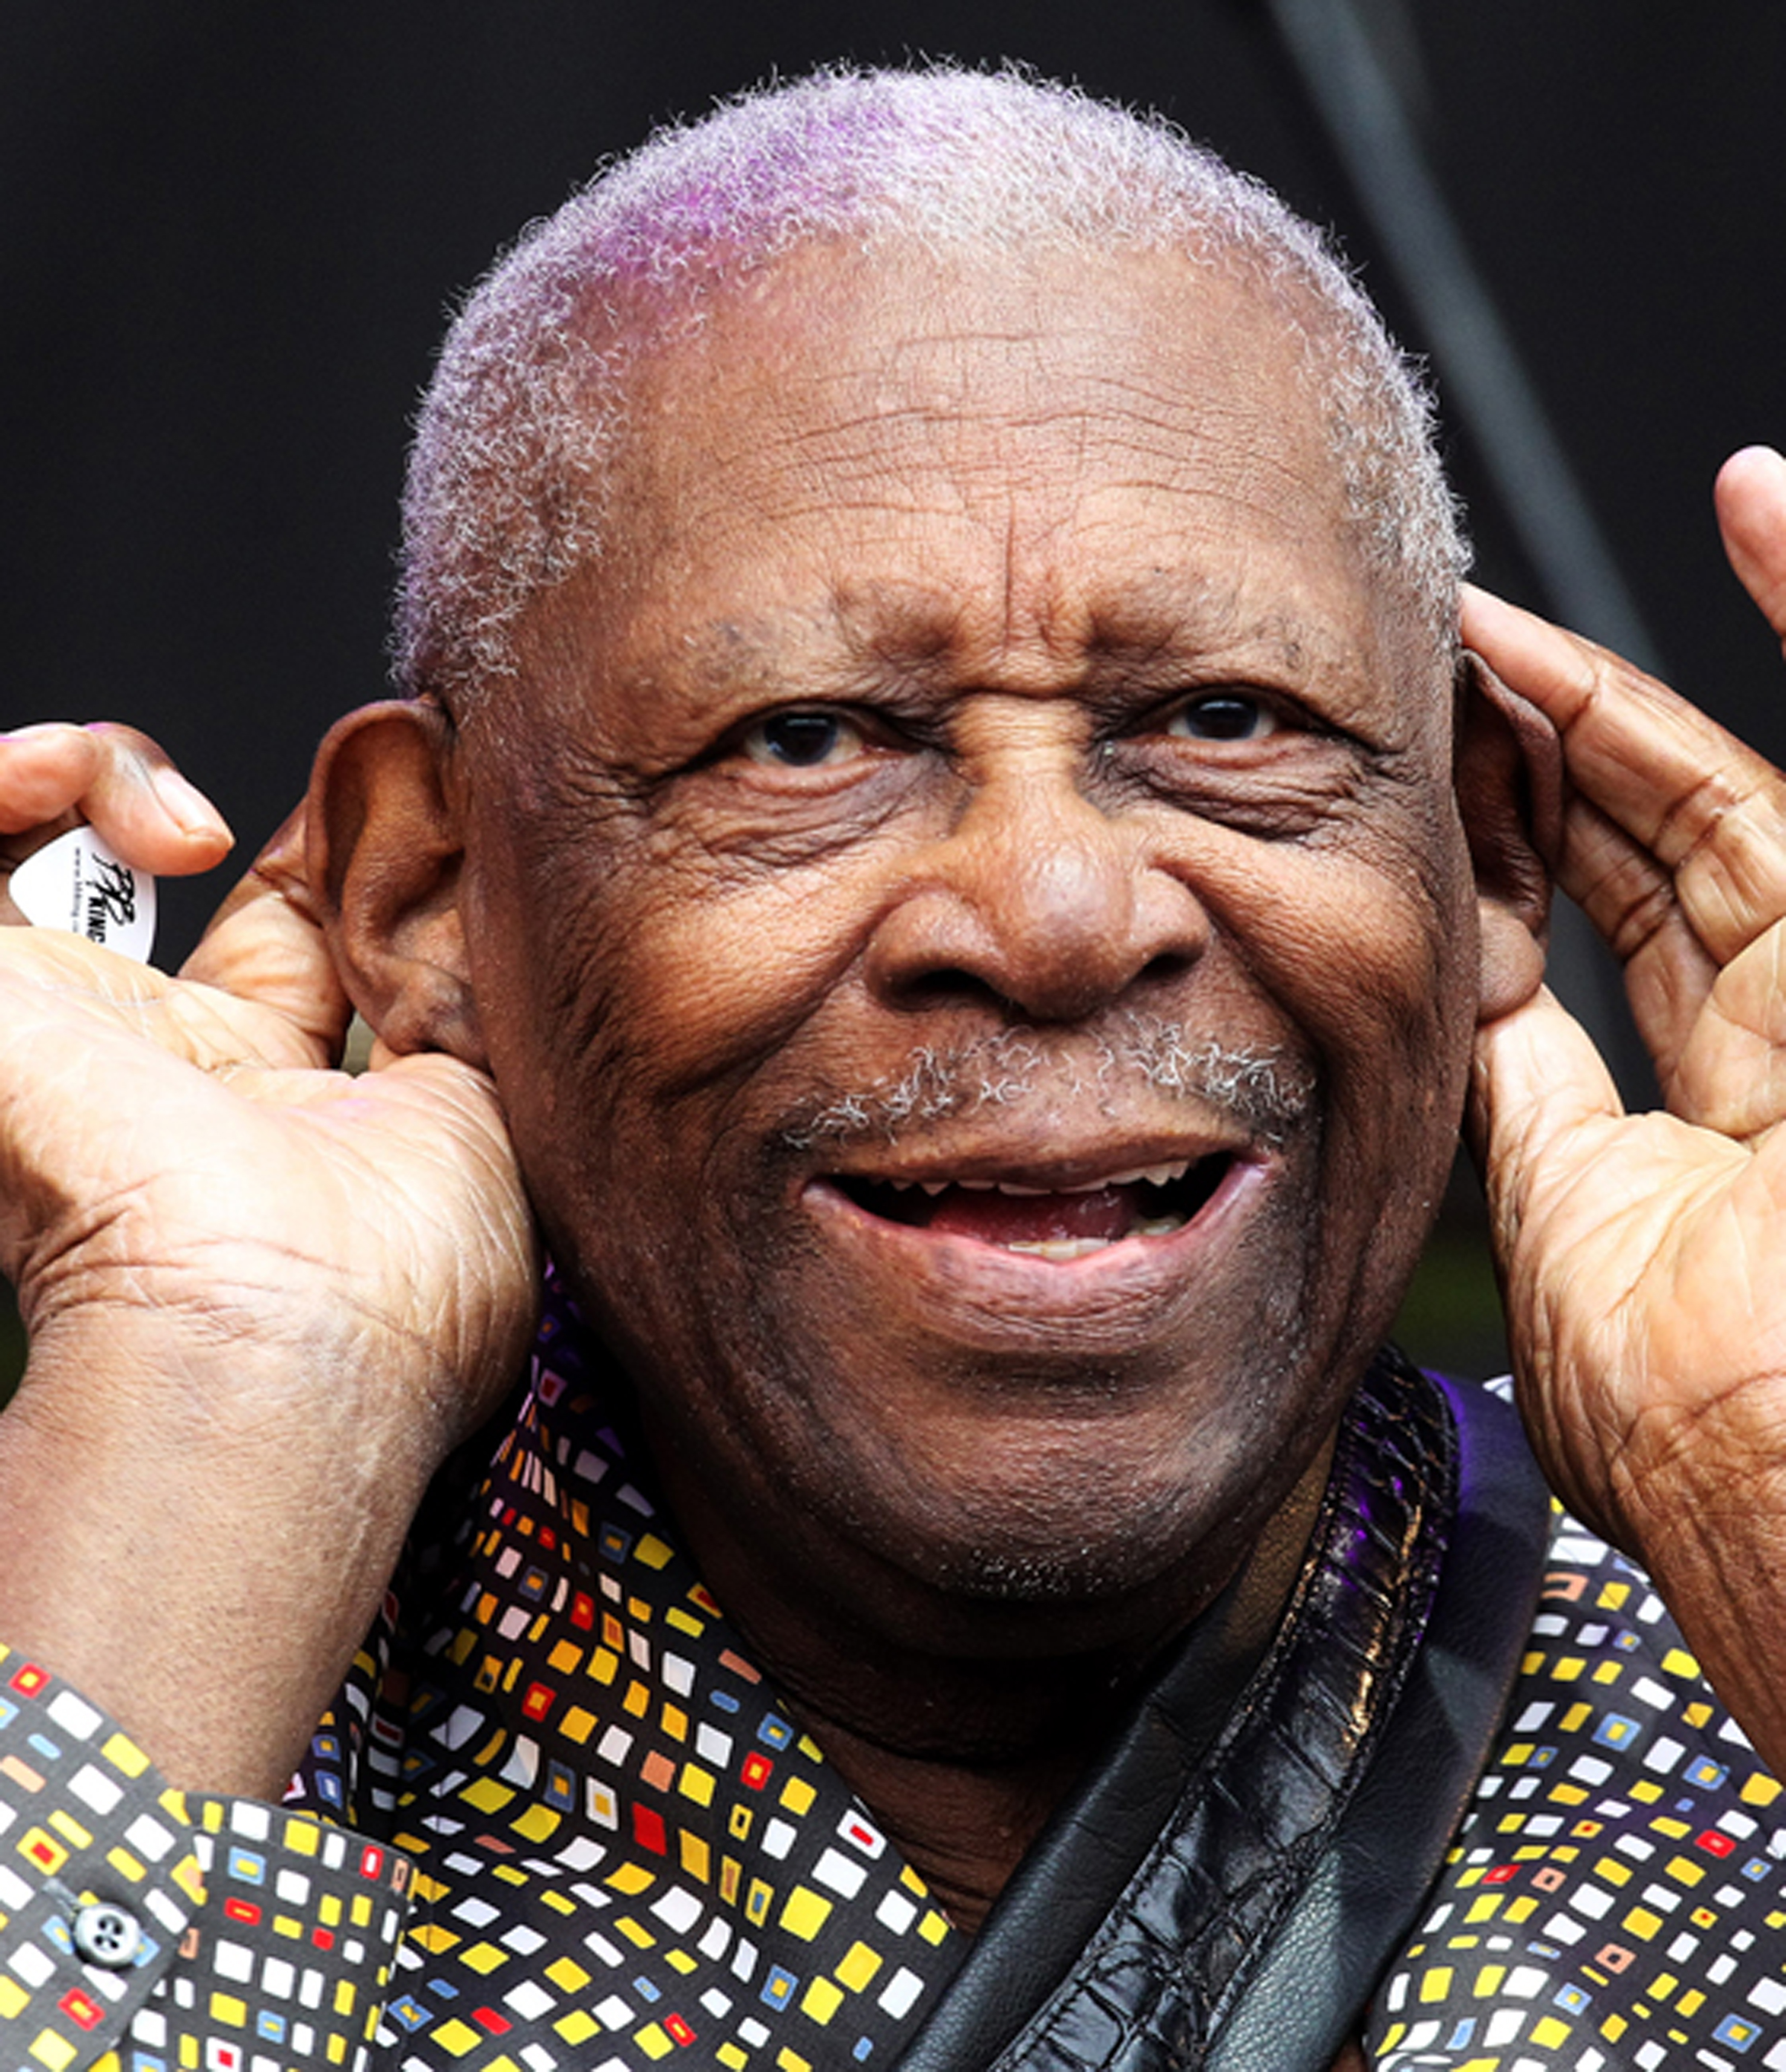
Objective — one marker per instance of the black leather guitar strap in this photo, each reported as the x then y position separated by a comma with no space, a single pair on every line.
1224,1893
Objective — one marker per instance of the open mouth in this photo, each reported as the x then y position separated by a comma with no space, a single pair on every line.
1063,1224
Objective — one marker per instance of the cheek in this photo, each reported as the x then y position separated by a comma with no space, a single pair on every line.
1376,967
644,1023
706,985
1374,952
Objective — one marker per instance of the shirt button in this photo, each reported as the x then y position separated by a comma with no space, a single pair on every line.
108,1936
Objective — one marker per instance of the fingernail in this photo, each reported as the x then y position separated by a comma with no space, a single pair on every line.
189,808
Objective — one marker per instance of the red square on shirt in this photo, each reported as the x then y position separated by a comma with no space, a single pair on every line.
85,2014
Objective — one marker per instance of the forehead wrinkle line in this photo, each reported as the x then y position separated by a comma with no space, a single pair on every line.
1077,393
1159,428
877,418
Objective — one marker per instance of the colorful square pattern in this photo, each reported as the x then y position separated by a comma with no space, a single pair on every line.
1616,1895
615,1850
627,1853
264,1940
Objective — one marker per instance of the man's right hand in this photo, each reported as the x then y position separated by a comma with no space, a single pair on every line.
264,1297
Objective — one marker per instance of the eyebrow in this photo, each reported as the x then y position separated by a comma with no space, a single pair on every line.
880,639
910,626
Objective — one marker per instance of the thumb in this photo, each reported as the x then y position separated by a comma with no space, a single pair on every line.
1536,1079
1751,516
266,944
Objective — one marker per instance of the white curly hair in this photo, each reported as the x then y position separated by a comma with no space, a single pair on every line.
505,489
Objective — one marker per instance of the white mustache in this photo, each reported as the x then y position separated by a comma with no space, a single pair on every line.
1265,1091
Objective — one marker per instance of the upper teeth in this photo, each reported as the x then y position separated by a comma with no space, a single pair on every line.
1157,1176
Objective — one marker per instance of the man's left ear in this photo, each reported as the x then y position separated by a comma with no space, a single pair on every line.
384,851
1508,771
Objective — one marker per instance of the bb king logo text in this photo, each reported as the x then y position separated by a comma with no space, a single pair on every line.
111,898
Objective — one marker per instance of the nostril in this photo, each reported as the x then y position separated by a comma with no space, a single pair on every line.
948,984
1167,965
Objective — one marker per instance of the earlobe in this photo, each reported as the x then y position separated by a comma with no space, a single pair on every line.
384,850
1508,772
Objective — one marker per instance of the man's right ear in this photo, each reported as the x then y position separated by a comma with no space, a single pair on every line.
385,848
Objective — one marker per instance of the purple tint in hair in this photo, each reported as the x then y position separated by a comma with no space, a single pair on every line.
506,489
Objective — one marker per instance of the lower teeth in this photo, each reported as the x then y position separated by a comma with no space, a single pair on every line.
1078,1247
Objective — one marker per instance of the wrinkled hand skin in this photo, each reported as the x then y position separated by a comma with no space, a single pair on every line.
1643,1256
264,1298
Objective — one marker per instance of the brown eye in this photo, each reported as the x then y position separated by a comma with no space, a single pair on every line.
803,740
1223,716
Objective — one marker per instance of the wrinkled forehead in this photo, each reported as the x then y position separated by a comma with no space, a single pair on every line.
909,337
1114,430
1049,379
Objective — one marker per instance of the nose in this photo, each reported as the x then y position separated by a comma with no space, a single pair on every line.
1042,899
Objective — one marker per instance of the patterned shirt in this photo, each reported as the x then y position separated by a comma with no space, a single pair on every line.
558,1820
1616,1895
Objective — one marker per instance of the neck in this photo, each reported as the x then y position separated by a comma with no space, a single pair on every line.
962,1758
963,1825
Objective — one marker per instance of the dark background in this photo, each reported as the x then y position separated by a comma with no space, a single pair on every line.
228,234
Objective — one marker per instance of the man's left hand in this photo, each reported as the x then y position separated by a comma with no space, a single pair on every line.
1644,1256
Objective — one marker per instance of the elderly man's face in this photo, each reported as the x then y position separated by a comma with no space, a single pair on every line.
972,928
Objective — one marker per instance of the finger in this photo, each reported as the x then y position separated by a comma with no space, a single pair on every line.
43,770
147,810
1751,515
121,781
1630,898
266,944
1711,810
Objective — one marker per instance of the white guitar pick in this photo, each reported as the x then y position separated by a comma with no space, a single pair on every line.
75,882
